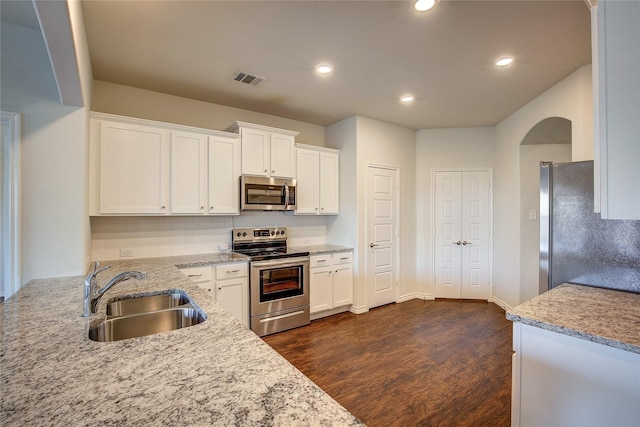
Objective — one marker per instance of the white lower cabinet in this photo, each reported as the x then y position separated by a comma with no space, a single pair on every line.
560,380
232,289
331,281
227,283
201,276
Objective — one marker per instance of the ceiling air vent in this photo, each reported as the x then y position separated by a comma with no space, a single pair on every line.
249,79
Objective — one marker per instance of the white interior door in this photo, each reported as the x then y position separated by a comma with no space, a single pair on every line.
381,235
475,235
447,235
462,231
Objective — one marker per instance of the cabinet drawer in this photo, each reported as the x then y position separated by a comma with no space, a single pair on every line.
343,258
197,274
320,260
229,271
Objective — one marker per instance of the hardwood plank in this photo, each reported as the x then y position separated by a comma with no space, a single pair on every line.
427,363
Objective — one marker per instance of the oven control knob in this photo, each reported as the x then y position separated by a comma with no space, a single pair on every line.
238,234
244,234
282,232
273,232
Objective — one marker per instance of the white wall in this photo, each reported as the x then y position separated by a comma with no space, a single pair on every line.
53,151
145,237
443,148
569,98
371,142
145,104
530,158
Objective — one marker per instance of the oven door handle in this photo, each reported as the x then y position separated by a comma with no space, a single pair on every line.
280,263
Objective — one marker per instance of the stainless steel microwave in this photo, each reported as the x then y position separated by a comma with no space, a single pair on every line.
259,193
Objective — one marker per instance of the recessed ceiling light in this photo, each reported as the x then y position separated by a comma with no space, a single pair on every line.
424,5
503,62
324,69
407,98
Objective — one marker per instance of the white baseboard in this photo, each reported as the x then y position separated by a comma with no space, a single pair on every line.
358,310
501,303
325,313
414,295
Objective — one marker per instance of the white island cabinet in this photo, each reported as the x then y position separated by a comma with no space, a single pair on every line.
576,360
266,151
317,180
142,167
616,73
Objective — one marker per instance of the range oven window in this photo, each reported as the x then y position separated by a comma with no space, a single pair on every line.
276,283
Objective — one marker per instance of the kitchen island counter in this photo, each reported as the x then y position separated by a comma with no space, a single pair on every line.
215,373
599,315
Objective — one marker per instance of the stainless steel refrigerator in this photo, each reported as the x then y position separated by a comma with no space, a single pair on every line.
576,245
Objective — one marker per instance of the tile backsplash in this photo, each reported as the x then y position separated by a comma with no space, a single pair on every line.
145,237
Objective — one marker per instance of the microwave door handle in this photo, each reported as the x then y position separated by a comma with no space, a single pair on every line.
286,196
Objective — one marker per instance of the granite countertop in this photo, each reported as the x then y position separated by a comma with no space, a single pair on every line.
214,373
322,249
603,316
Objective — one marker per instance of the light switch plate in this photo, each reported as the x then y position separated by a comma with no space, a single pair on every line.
126,253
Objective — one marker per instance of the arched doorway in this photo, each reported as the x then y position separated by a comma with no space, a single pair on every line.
548,140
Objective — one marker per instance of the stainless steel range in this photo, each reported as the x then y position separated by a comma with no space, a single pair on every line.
278,279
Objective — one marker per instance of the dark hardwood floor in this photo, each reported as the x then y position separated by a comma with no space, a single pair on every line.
417,363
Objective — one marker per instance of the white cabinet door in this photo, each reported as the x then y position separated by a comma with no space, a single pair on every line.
617,102
232,295
317,181
307,185
201,276
282,155
224,175
133,169
342,284
321,289
188,172
256,152
329,183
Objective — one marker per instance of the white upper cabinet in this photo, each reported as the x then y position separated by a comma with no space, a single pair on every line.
224,175
143,167
188,172
266,151
133,167
616,72
317,180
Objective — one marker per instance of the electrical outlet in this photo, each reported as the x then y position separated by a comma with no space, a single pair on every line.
533,215
223,247
126,253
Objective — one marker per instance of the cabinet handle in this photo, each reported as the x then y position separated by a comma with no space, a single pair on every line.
194,275
233,271
211,207
345,258
265,171
465,243
201,207
322,260
458,243
162,207
373,245
219,288
316,209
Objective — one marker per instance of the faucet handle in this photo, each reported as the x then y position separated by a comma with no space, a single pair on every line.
96,264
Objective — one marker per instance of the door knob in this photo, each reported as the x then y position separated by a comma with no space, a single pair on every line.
373,245
458,243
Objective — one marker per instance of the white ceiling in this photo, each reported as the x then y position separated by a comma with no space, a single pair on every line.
380,50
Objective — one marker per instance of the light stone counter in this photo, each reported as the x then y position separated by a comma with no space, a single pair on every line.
600,315
322,249
214,373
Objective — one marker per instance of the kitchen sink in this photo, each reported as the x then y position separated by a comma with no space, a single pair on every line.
139,325
146,304
138,316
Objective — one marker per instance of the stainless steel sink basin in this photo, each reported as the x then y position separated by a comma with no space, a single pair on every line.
138,325
146,304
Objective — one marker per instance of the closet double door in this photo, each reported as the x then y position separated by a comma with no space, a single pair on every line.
462,234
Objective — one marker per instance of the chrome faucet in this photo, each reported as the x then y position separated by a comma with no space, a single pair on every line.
91,292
